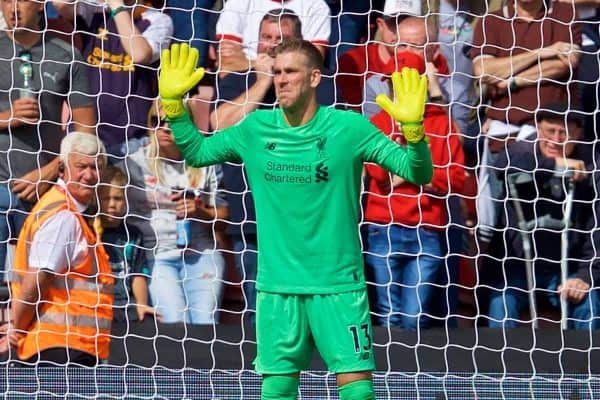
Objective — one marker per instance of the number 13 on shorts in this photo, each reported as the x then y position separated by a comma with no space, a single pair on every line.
342,331
361,338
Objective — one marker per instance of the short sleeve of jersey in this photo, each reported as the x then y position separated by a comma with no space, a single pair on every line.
567,25
316,27
159,32
232,21
56,243
79,83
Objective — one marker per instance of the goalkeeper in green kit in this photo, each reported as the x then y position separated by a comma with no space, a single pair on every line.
304,165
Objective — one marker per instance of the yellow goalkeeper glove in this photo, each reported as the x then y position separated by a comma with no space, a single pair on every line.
410,92
178,75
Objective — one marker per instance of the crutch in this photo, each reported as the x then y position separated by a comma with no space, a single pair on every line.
564,250
548,222
514,180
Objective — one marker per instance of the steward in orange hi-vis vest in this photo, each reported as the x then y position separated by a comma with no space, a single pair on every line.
76,312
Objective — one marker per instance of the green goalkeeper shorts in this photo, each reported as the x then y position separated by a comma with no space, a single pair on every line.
290,326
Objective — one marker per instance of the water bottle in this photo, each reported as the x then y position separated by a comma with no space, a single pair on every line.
183,226
26,71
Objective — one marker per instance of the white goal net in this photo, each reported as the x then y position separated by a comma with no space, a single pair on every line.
482,284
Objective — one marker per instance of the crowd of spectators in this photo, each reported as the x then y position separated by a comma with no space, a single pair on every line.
513,90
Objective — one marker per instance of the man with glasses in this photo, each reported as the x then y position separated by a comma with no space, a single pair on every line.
38,74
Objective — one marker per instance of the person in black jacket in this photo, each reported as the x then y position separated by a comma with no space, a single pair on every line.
553,160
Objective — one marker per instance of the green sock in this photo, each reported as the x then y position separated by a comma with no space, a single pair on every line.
357,390
280,387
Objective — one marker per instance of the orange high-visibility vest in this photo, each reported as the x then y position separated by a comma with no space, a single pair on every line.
76,312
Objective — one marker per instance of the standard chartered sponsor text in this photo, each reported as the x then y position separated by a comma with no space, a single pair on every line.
288,172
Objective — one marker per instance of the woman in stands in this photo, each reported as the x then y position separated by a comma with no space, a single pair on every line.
177,207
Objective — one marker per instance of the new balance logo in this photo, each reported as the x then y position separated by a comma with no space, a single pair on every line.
270,146
322,172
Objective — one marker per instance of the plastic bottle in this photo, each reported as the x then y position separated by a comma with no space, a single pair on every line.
26,71
184,232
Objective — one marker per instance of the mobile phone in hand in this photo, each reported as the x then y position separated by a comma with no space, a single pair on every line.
184,193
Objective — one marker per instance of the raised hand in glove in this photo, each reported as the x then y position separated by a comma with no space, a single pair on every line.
408,107
178,75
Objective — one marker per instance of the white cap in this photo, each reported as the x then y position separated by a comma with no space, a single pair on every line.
395,7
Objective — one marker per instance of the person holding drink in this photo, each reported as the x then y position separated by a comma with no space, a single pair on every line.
176,207
38,74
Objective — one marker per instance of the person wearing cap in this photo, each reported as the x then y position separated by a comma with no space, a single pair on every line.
414,33
402,28
554,147
526,54
406,223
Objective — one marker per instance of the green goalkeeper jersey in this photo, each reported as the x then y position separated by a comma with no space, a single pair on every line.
306,184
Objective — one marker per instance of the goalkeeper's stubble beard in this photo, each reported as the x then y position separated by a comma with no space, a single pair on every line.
295,82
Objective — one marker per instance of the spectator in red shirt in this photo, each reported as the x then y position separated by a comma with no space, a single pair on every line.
397,27
406,241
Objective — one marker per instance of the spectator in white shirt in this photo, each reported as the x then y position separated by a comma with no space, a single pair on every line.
239,23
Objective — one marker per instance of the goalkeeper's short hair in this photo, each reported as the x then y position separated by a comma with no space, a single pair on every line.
293,45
